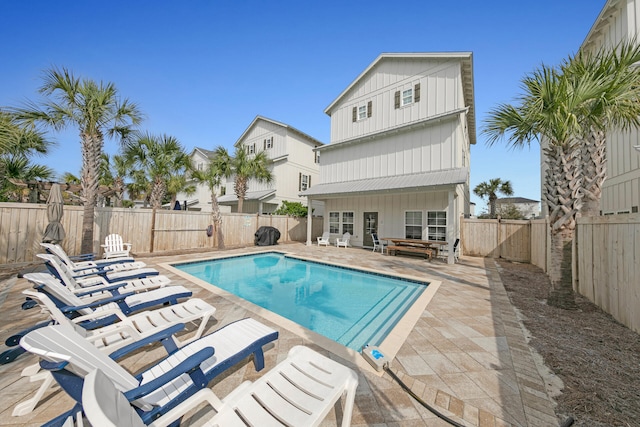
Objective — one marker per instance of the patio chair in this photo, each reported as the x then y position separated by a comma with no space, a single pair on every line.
96,278
344,240
377,244
114,247
324,239
299,391
112,337
102,303
165,384
113,264
444,252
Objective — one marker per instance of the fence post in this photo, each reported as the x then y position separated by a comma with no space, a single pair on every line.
153,229
499,236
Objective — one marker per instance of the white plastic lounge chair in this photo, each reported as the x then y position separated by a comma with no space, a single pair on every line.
299,391
113,264
94,283
344,240
164,385
94,275
324,239
377,244
114,247
113,337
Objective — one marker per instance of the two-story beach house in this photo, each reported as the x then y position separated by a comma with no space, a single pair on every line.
618,21
398,161
293,163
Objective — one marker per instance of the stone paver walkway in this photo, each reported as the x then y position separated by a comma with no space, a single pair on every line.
465,353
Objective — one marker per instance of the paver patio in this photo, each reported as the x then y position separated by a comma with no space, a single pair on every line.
466,355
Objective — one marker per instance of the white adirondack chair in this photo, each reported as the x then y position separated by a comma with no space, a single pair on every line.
324,239
114,247
344,240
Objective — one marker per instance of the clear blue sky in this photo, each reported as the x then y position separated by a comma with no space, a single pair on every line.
202,70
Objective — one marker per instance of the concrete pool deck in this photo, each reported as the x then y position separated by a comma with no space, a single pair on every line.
465,353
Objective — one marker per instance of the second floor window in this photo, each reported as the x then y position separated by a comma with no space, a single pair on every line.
304,182
316,158
251,148
362,112
223,191
268,143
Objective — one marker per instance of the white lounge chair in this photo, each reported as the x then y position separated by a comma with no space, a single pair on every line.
344,240
299,391
113,264
94,282
113,337
114,247
324,239
162,386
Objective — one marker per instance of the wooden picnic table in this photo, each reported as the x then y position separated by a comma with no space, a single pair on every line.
427,247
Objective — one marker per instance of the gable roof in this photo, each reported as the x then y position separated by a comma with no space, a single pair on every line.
515,200
601,22
466,60
206,153
396,184
284,125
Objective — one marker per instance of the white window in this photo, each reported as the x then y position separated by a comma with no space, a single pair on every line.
223,191
200,166
413,225
347,222
252,148
304,182
316,159
437,225
268,143
362,112
407,97
334,222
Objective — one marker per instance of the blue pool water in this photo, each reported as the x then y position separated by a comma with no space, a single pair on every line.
349,306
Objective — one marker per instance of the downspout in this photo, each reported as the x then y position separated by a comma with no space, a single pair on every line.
451,228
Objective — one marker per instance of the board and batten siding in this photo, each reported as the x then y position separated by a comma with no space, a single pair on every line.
621,189
425,149
440,88
391,211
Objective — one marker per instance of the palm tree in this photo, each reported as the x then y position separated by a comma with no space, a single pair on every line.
243,167
158,157
212,176
179,183
551,110
617,107
18,144
113,171
96,110
491,189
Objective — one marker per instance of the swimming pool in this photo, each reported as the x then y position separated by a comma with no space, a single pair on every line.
352,307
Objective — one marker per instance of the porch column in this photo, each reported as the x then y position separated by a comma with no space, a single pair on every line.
309,221
451,220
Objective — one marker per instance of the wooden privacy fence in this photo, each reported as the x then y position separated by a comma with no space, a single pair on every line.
608,265
22,226
497,238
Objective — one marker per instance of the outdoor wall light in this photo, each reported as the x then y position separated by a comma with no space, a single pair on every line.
637,147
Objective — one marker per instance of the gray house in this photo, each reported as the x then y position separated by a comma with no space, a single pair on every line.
399,157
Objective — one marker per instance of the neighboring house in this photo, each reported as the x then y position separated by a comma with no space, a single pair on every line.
617,22
527,207
398,161
294,166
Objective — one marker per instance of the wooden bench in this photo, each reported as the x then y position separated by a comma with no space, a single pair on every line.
391,250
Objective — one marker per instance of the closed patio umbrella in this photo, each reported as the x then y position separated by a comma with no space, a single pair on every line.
54,233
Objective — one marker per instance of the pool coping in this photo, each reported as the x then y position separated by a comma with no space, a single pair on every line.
389,346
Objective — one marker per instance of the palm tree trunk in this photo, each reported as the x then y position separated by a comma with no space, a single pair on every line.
593,159
91,149
563,196
241,192
217,220
492,205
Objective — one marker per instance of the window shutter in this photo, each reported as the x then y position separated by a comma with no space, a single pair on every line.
254,147
271,142
264,144
299,181
397,99
309,182
354,114
369,108
416,93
